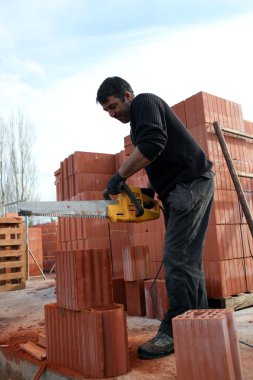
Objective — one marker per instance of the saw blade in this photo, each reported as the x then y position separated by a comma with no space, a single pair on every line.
79,209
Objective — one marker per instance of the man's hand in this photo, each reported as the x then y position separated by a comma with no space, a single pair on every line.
114,186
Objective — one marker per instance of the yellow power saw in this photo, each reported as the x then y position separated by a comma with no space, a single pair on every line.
133,205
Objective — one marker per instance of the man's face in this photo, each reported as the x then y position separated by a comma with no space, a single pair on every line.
117,108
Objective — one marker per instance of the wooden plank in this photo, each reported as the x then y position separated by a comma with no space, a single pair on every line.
236,302
246,175
12,252
11,220
10,264
11,276
11,242
237,133
10,287
34,350
11,230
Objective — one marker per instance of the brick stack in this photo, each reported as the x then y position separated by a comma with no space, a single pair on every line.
227,258
83,176
35,247
12,253
50,244
207,346
85,330
83,171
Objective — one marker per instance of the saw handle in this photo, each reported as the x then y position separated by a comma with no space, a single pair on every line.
126,189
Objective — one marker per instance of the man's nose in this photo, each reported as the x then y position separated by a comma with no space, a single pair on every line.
112,113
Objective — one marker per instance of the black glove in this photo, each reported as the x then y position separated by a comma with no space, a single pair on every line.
114,186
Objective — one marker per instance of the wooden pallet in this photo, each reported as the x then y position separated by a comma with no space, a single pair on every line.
236,302
12,254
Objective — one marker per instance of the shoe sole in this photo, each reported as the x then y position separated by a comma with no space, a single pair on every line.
147,356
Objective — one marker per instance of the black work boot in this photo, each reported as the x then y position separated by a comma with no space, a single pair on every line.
161,345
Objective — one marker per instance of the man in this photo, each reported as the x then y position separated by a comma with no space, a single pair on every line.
181,176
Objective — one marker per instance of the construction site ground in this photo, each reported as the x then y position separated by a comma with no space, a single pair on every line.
22,319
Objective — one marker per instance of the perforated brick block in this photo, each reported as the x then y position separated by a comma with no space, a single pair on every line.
92,342
207,346
83,279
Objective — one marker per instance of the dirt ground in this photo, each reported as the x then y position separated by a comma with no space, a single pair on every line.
22,319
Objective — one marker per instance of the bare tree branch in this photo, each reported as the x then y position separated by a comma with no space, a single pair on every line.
18,175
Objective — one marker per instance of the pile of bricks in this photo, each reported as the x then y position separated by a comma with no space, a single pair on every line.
227,257
85,330
228,250
43,243
49,244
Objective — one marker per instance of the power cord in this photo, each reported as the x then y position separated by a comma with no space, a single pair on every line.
153,284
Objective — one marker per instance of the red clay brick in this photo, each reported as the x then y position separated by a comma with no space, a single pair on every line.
119,291
136,263
92,342
135,298
83,279
205,337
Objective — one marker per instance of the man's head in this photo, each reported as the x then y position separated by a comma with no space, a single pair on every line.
115,96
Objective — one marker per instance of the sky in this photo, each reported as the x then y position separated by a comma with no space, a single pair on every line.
55,54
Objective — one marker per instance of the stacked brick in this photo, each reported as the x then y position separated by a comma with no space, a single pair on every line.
85,330
227,259
13,261
83,172
83,176
50,244
35,248
207,346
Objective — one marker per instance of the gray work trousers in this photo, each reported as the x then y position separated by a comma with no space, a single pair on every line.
186,213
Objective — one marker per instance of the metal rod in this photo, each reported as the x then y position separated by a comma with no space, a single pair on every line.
36,262
27,247
237,184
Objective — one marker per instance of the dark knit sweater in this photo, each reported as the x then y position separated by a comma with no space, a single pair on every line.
162,138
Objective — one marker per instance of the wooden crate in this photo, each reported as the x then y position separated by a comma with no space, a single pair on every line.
12,253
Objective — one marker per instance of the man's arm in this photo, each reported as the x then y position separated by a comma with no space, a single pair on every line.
135,162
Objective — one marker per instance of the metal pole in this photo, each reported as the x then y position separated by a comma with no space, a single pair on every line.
36,262
237,184
27,246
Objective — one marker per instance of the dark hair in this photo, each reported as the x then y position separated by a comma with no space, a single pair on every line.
113,86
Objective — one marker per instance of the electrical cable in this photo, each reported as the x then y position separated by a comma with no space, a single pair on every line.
153,284
246,344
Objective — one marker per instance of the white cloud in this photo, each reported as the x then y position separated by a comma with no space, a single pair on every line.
174,64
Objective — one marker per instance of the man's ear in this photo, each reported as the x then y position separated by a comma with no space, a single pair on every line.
128,95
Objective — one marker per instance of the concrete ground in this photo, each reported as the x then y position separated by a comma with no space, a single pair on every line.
22,319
